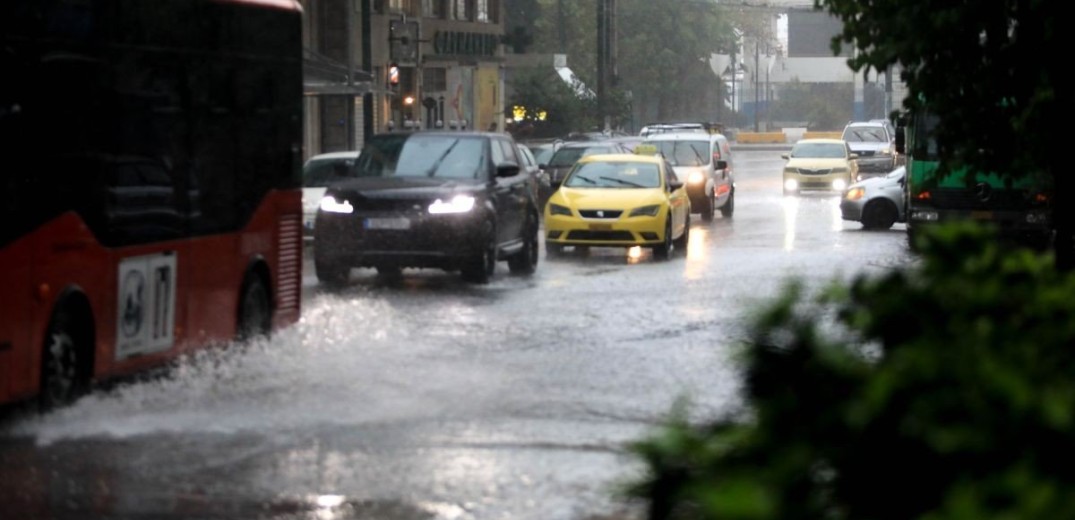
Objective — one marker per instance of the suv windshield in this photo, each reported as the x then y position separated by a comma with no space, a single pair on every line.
422,156
684,153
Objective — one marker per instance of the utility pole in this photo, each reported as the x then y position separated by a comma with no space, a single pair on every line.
757,92
606,57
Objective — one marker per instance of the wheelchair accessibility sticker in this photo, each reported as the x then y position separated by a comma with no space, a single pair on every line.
145,311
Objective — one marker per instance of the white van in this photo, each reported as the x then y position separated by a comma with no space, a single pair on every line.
704,162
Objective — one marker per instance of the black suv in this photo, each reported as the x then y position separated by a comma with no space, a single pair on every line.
447,200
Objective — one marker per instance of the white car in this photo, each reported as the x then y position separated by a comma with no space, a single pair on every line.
876,202
318,172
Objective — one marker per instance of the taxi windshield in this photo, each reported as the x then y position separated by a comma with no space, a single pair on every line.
614,175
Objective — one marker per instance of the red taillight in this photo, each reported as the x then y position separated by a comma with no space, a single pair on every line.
1041,197
925,195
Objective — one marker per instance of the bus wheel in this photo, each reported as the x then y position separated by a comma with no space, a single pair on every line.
255,311
63,378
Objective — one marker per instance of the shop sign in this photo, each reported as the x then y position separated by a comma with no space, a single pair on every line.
465,43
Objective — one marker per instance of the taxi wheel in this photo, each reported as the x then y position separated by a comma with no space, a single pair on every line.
663,251
681,242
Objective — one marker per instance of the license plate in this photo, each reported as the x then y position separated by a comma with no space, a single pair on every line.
601,227
388,223
981,215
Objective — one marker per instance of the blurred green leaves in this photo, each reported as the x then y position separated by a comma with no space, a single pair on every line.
944,390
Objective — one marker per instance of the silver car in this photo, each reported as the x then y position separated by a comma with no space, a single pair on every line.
876,202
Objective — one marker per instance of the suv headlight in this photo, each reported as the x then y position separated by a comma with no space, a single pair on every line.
458,204
331,205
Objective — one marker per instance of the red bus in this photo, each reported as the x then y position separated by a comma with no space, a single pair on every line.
150,193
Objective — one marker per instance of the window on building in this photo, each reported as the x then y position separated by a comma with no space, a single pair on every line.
483,10
408,7
460,10
435,79
433,8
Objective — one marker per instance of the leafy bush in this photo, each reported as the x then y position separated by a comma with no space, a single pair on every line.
944,390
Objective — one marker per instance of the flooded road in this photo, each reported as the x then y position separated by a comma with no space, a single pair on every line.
427,397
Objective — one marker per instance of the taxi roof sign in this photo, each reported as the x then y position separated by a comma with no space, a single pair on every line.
646,149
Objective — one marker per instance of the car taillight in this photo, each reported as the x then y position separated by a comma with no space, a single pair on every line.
925,195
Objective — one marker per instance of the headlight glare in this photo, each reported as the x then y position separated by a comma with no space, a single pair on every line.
696,177
457,204
331,205
791,184
855,194
839,184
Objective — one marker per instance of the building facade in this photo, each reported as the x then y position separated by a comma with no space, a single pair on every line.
440,63
379,65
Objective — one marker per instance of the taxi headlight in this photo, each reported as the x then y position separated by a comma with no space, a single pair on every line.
556,209
646,211
696,177
855,193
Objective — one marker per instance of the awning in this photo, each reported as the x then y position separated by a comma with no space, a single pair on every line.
323,76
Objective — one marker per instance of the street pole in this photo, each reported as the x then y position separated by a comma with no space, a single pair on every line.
757,97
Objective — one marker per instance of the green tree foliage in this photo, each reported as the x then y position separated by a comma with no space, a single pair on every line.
663,53
990,70
822,106
938,391
665,48
542,90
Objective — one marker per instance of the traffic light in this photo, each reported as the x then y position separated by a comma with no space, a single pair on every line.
393,76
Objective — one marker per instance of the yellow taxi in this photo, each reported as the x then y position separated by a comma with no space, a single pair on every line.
619,200
819,165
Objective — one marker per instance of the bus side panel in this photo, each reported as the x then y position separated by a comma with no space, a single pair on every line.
16,352
273,235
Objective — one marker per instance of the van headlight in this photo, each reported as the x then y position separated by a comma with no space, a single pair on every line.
696,177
